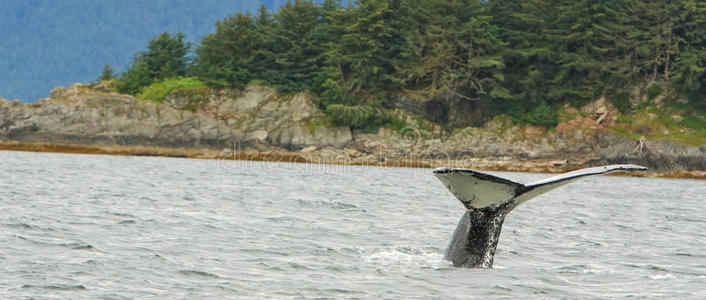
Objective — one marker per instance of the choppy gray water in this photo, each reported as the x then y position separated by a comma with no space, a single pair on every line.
90,226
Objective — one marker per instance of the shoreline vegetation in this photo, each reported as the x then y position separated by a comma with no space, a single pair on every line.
525,60
332,158
269,125
534,86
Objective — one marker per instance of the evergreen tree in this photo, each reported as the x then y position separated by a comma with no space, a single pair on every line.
456,50
655,25
225,58
530,58
263,58
264,18
481,64
370,49
690,68
330,82
165,57
107,74
297,47
524,57
137,76
593,47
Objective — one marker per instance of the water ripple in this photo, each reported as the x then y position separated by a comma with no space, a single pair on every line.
94,226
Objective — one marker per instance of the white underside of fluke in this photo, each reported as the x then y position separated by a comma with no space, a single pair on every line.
475,191
480,190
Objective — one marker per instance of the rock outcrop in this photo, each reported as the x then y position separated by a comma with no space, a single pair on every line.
255,117
259,118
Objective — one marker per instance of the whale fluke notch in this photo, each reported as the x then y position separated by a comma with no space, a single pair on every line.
488,199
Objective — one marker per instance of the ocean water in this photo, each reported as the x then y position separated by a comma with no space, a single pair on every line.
112,227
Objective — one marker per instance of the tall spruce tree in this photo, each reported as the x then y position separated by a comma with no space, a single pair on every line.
592,51
165,57
330,82
263,57
457,50
107,73
225,58
689,74
656,23
371,49
297,46
530,57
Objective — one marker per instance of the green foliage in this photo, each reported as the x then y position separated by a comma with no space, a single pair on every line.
621,102
225,58
457,51
137,77
624,132
165,58
398,124
356,117
694,122
689,74
654,91
296,46
543,115
623,118
161,89
677,123
520,58
592,49
107,74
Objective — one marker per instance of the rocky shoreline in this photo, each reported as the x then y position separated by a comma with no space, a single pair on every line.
332,158
260,124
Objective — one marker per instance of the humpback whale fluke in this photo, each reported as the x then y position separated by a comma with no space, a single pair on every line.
488,199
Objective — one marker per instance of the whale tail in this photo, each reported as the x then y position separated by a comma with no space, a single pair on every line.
488,199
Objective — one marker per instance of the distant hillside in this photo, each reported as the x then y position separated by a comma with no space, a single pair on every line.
50,43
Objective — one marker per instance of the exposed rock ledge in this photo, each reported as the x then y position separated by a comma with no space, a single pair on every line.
256,117
259,120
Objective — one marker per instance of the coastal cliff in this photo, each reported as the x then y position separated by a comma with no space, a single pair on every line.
259,119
